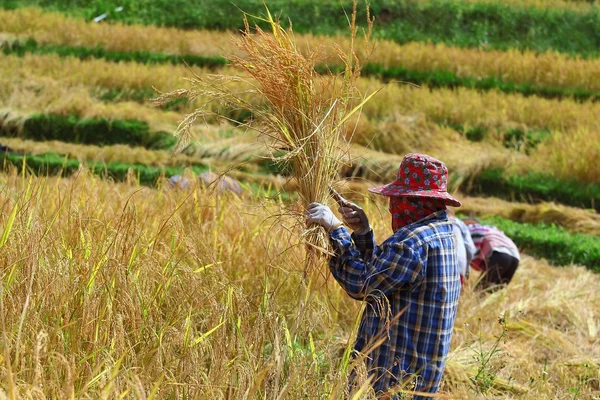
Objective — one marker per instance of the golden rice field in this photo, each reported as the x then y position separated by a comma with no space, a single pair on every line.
120,291
117,291
461,156
461,106
22,75
107,154
547,69
37,82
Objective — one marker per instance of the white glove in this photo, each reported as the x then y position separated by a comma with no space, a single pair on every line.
320,214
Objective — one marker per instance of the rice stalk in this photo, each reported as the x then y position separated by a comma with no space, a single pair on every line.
302,116
209,246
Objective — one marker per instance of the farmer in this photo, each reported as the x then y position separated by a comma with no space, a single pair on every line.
465,248
497,256
410,283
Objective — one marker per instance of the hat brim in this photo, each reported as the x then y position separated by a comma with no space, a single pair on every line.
393,190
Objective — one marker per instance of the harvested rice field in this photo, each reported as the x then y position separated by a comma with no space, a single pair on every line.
131,270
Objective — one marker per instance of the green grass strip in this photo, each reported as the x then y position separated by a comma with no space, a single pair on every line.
21,48
489,25
54,164
514,138
447,79
556,244
535,187
433,79
97,131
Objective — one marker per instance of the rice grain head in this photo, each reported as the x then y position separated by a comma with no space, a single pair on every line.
302,115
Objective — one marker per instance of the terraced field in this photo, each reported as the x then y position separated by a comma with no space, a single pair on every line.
177,293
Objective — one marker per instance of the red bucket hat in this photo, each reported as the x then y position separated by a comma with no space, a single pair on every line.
419,175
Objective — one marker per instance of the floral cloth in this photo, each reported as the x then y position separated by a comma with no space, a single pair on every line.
406,210
419,175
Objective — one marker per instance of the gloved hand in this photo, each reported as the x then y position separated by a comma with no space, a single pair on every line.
320,214
353,215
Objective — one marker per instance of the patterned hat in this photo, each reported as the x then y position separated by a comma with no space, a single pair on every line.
419,176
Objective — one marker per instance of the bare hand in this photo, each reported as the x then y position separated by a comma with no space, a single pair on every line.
353,215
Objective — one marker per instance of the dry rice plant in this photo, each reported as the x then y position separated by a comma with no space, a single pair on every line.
571,218
570,155
493,110
72,71
462,106
401,134
300,112
123,291
547,69
552,346
111,290
56,28
23,98
25,76
106,154
57,100
368,164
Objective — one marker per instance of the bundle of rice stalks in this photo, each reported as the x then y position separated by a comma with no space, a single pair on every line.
302,116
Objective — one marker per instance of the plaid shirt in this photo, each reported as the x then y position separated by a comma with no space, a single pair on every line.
415,270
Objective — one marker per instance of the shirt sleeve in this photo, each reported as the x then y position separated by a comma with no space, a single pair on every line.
365,244
469,245
387,268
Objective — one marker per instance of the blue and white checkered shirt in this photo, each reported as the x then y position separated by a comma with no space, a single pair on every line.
411,285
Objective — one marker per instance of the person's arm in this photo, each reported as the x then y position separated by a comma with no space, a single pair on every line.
388,268
364,243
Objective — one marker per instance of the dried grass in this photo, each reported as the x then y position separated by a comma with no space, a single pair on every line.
573,219
462,157
136,291
491,109
72,71
68,86
56,28
57,100
552,343
570,155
